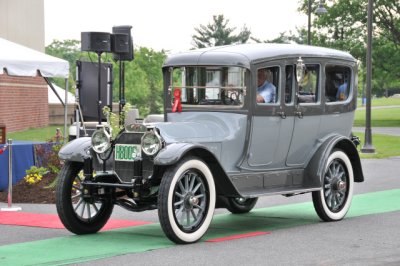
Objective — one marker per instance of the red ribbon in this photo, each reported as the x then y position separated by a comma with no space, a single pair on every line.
177,101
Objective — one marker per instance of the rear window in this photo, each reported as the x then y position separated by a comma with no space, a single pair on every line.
337,85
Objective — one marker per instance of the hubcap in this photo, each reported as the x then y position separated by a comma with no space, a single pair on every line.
335,185
82,202
190,200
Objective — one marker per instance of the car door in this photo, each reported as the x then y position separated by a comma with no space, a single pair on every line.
306,110
270,129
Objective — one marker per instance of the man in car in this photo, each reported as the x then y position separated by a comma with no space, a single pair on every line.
266,91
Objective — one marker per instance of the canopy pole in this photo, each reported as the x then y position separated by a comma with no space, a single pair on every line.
66,110
54,90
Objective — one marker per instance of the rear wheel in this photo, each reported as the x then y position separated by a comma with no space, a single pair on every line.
186,200
79,211
241,205
333,201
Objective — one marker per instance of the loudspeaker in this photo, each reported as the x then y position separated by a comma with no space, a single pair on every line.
119,43
96,41
87,84
128,55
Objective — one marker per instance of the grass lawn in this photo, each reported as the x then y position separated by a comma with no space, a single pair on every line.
385,117
36,134
382,102
385,146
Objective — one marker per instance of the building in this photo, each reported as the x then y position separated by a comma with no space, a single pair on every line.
22,21
23,100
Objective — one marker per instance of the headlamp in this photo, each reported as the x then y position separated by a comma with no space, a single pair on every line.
101,140
151,143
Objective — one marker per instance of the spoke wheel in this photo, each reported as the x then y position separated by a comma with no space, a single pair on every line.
333,201
186,201
241,205
78,210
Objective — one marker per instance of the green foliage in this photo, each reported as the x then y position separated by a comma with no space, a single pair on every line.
143,76
34,174
218,33
116,122
36,170
344,27
68,50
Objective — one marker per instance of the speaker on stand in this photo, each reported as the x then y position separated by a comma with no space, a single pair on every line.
122,48
97,42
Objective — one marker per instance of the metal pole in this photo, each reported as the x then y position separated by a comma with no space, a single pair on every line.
99,88
66,110
368,147
10,180
309,23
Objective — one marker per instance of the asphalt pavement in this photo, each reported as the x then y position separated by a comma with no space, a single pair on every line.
371,239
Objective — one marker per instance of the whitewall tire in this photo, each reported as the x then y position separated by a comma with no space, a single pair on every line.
186,200
333,201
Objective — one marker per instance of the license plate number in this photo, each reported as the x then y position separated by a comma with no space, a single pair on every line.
126,152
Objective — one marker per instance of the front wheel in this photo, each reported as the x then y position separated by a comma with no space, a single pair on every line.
333,201
186,200
241,205
78,210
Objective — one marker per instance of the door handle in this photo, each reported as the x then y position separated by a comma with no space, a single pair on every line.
282,115
299,114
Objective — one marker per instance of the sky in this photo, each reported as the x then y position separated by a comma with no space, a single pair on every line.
168,24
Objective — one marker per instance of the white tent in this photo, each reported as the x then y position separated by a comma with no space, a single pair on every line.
53,98
19,60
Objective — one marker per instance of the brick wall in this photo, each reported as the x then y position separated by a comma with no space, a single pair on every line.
23,102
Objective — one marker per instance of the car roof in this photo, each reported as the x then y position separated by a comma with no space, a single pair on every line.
247,54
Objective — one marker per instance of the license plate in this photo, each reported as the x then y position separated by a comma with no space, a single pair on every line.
126,152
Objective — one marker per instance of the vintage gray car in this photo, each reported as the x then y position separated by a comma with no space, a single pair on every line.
224,141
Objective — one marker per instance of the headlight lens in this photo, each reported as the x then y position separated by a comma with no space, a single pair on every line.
101,140
151,143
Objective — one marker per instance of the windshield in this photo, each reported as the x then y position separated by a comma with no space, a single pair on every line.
209,85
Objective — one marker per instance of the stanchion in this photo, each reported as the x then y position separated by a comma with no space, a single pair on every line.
10,179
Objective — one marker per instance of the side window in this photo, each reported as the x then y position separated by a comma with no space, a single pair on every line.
289,77
267,85
337,85
308,89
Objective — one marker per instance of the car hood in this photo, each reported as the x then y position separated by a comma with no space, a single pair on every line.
202,127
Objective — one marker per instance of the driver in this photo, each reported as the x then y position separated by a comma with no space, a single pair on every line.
266,91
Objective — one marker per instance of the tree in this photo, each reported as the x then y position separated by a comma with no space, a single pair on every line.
218,33
144,81
68,50
344,27
143,76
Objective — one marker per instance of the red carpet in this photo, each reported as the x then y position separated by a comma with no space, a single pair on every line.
52,221
239,236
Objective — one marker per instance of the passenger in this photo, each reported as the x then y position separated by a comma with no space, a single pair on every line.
341,94
266,91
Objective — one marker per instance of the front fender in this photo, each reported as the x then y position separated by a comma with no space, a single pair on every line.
172,153
76,150
316,167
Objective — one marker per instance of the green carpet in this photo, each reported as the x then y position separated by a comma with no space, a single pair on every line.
75,249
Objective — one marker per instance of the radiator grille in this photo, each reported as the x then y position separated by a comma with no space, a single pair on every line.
125,169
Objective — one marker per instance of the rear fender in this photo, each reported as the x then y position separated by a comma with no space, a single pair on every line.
76,150
316,167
